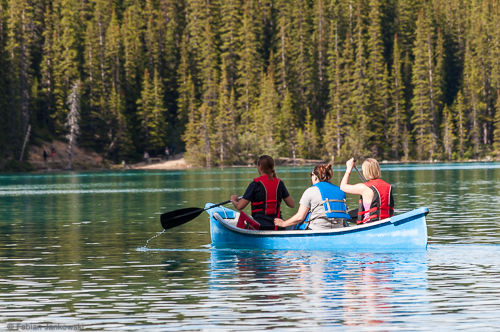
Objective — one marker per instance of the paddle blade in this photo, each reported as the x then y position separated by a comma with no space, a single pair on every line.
178,217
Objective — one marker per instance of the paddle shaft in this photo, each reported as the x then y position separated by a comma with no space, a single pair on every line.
361,176
178,217
218,204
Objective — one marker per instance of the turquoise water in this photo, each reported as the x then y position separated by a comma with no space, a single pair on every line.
73,255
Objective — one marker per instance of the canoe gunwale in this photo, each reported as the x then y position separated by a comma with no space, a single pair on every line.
398,219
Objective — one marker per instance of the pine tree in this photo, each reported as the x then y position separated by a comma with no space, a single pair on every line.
448,133
249,65
120,143
266,117
320,42
152,111
224,136
423,106
47,69
360,133
191,136
282,45
378,108
398,114
308,139
287,127
95,131
333,131
132,28
152,37
18,47
66,45
461,125
301,60
231,20
496,131
4,113
203,43
345,111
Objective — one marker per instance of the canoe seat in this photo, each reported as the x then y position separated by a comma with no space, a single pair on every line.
231,220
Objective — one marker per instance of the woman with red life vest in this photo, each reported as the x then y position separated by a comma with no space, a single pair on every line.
322,206
265,193
376,202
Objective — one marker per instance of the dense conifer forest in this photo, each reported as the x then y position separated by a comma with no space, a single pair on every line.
227,80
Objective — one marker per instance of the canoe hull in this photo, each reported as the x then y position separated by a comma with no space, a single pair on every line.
407,231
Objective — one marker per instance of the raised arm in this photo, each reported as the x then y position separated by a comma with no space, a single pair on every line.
355,189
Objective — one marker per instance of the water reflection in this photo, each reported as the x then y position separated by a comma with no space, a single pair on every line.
318,288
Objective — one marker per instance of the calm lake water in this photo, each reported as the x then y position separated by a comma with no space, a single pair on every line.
73,255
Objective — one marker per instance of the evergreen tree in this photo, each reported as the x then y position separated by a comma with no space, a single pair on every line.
461,125
282,45
4,69
448,133
378,108
301,60
423,106
308,139
287,127
266,118
47,70
231,20
333,128
119,136
496,131
249,65
320,43
185,84
360,133
65,57
224,135
152,37
132,28
18,49
347,116
397,124
203,42
191,135
152,111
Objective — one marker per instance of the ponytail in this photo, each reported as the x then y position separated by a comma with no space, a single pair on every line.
266,164
323,172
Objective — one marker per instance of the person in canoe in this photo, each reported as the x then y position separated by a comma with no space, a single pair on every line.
322,206
265,193
376,202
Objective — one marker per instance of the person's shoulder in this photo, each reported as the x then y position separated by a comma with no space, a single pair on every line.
312,190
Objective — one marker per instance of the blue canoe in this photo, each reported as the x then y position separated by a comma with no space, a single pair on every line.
406,231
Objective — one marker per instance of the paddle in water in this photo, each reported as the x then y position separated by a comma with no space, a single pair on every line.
178,217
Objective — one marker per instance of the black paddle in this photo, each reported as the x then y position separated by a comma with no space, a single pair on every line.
178,217
361,176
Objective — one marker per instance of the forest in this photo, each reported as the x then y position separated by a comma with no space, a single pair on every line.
228,80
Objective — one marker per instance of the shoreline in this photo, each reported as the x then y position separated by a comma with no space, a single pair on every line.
86,160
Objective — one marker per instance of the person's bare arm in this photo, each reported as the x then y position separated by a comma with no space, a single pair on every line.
295,219
290,202
239,203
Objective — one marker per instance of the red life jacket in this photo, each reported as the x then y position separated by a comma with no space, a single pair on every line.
382,205
271,206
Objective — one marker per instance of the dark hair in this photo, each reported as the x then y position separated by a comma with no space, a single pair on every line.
323,172
266,164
